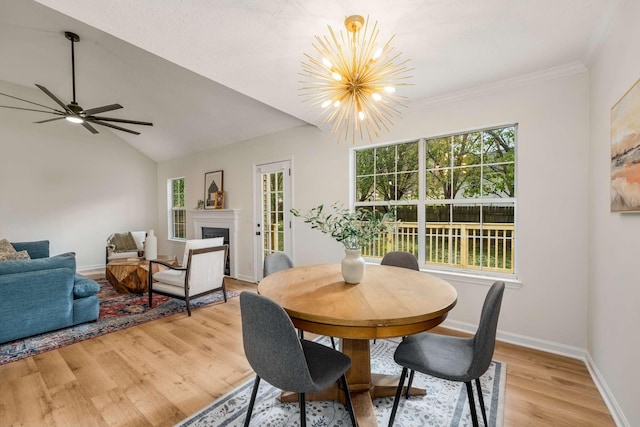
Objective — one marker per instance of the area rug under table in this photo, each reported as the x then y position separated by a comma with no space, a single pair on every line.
117,311
445,403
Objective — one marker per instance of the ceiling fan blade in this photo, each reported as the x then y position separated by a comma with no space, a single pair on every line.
32,109
30,102
103,109
55,98
112,119
89,127
109,125
49,120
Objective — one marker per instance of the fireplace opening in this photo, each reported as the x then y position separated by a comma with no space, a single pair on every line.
212,232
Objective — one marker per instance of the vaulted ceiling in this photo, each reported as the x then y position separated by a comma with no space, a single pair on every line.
211,73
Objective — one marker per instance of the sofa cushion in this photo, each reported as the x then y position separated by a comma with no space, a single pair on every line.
37,249
123,242
84,287
12,256
8,252
67,260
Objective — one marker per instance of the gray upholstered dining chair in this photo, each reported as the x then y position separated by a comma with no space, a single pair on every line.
400,259
462,359
278,356
404,260
203,273
277,261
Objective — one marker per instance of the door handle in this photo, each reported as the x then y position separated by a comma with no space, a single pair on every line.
257,233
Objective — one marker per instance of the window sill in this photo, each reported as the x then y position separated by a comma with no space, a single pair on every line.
174,239
474,279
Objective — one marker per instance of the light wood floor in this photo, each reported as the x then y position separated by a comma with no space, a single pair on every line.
160,372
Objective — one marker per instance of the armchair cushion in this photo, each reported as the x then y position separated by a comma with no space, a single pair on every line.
199,244
171,277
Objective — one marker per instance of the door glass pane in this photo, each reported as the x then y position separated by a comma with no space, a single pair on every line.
273,211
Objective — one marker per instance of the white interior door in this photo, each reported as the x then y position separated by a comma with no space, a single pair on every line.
272,218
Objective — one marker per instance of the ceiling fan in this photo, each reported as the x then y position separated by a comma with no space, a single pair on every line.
74,112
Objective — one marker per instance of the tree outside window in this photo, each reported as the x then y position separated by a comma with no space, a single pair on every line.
464,217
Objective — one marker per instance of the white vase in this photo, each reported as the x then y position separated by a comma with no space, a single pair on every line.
352,266
151,246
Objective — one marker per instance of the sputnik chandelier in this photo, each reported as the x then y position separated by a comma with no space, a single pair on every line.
354,82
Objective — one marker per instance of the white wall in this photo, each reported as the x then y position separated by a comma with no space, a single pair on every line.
614,278
60,183
552,172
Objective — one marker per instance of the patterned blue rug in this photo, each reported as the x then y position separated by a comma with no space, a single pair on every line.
444,405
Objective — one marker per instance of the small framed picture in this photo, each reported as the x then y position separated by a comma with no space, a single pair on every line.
213,183
219,200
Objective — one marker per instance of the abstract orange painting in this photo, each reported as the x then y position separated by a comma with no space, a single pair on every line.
625,152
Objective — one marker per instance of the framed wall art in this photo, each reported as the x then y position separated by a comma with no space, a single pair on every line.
625,152
213,183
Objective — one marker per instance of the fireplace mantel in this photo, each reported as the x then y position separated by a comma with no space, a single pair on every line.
220,218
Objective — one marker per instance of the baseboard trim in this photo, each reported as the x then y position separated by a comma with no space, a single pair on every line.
559,349
607,395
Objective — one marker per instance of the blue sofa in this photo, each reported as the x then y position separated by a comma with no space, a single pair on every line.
44,293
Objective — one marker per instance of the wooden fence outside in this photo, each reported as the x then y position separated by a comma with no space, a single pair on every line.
465,245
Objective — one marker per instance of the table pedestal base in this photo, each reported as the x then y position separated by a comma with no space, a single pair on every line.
363,385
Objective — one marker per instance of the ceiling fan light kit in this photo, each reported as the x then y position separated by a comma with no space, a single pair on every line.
353,81
72,111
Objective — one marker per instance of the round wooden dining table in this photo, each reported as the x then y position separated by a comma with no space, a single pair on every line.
388,302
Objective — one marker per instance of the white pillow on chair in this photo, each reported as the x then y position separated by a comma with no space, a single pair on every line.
199,244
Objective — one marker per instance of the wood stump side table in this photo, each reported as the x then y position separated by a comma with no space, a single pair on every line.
129,276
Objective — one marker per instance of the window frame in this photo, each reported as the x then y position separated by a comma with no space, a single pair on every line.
172,210
422,202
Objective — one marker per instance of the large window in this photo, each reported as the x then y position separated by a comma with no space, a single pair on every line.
177,212
453,196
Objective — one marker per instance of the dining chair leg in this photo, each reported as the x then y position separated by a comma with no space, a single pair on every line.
333,343
254,392
472,405
409,383
303,410
481,400
403,375
347,397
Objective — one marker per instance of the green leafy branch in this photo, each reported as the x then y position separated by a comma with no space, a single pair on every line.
354,229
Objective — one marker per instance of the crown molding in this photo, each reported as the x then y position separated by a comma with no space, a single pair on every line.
514,82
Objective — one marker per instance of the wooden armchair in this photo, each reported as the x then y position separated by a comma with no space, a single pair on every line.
202,274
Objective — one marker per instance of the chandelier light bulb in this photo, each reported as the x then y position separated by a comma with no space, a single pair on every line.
352,71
